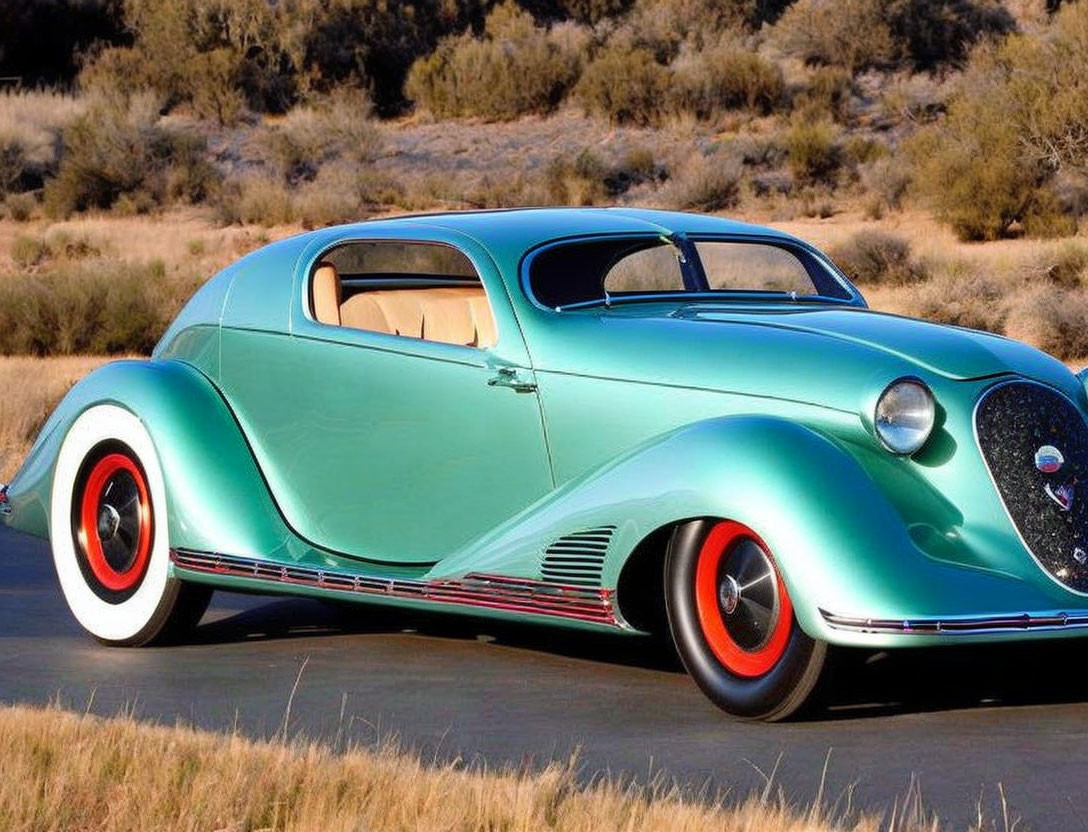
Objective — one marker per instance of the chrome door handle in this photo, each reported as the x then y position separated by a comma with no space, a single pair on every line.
508,377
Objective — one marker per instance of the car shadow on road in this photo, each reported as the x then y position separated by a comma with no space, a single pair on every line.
862,684
279,618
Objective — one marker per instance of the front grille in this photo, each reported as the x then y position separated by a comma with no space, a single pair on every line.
1017,424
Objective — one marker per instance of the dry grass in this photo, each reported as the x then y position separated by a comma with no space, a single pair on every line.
29,390
60,770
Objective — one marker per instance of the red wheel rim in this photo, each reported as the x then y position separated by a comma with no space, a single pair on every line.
99,518
719,546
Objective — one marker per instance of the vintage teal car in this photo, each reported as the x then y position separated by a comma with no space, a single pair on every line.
609,419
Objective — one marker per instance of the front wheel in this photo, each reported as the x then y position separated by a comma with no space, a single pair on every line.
733,623
108,533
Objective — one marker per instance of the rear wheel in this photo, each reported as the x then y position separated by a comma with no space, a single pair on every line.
109,534
733,623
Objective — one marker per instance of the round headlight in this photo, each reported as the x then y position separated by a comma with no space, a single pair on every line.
904,416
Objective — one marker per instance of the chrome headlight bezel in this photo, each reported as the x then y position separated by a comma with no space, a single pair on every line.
904,416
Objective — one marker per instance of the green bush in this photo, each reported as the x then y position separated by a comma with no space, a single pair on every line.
515,68
118,150
878,258
83,309
726,78
625,86
812,151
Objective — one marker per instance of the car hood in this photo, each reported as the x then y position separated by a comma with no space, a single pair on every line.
826,355
954,352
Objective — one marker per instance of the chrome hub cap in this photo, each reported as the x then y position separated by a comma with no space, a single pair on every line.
748,595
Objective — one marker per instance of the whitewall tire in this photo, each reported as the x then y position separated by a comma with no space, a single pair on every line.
108,530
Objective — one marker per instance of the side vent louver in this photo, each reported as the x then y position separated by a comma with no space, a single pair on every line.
577,558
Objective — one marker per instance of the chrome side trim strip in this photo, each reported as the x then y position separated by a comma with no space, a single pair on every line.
960,625
476,590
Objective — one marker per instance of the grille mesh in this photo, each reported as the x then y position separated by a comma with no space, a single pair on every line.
577,558
1013,422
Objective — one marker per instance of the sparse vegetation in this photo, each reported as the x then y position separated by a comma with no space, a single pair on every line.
62,770
877,257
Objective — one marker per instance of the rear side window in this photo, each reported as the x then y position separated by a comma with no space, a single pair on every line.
753,267
414,290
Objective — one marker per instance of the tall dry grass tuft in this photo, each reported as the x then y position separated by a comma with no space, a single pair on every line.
29,390
60,770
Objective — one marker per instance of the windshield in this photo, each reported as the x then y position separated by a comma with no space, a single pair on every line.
589,272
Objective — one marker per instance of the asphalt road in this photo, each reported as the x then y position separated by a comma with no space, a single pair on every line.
960,721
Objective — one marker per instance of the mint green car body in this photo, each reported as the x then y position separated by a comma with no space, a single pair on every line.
384,459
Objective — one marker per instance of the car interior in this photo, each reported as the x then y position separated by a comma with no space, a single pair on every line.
429,292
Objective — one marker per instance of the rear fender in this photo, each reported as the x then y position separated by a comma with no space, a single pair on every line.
217,499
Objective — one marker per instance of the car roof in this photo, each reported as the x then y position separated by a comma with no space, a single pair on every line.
525,228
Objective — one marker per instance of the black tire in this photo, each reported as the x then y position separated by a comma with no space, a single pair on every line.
798,660
108,533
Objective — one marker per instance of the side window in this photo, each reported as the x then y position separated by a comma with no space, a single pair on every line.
416,290
652,269
753,266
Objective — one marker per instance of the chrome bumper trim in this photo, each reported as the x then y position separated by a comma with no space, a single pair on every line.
960,625
496,592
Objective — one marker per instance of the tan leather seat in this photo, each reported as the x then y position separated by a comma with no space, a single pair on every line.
326,294
364,312
448,315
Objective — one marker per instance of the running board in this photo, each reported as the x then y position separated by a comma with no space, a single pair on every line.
474,590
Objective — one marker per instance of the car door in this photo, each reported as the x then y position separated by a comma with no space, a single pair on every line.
393,447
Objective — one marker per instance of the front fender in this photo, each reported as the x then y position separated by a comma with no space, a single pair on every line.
217,500
840,543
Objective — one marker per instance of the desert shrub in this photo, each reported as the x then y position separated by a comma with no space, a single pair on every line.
18,207
705,183
826,94
579,179
624,86
664,27
1043,88
30,126
27,252
308,137
886,180
973,172
583,11
219,55
853,34
1052,319
912,97
812,151
726,78
254,199
866,34
1067,266
877,258
118,150
514,68
373,43
959,295
84,309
